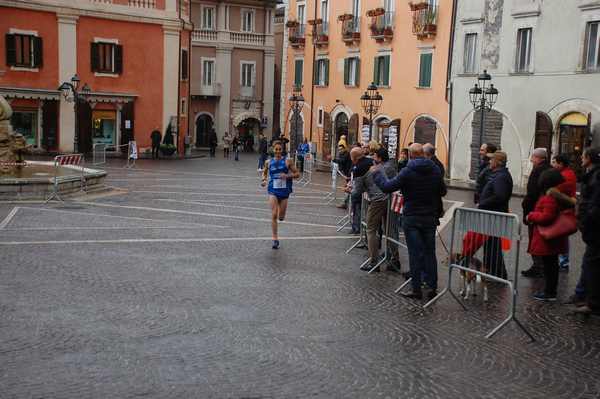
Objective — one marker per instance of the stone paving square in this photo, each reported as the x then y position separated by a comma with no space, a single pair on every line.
169,288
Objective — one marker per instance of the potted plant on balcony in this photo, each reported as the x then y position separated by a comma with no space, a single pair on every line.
356,35
317,21
388,31
376,12
375,30
421,5
430,22
292,24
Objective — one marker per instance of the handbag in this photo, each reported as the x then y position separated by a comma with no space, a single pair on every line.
564,225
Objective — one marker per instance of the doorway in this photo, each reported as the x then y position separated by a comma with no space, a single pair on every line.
573,131
204,124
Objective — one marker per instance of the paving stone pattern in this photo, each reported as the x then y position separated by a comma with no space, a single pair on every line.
196,310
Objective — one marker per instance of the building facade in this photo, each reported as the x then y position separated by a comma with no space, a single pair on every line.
131,54
336,49
233,76
544,59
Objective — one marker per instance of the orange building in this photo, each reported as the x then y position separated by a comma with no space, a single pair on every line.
335,49
131,54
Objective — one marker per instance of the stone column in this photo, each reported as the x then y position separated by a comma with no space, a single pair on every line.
269,89
170,72
223,78
67,67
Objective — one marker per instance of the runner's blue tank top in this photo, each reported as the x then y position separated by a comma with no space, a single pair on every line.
281,188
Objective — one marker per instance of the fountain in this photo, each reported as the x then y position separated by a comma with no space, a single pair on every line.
20,179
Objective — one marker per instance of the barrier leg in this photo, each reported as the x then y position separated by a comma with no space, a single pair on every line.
384,237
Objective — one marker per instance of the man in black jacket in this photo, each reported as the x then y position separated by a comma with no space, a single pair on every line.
263,150
588,215
495,197
422,186
155,136
486,153
539,159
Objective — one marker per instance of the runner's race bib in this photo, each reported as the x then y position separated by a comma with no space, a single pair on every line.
279,182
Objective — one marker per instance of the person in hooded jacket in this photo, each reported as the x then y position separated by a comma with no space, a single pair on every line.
422,186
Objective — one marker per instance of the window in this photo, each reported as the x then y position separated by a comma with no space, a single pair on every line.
183,107
247,75
320,117
425,69
208,72
592,46
325,10
469,59
351,71
247,21
208,18
104,127
184,64
321,77
356,8
298,71
107,58
381,73
23,50
25,123
523,50
301,14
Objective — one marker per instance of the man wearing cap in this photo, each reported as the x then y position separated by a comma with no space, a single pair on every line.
539,159
588,215
495,197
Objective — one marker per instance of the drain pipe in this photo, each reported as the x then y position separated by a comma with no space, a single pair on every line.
312,76
450,86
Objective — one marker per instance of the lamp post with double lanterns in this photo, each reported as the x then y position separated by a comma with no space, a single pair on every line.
296,103
73,87
483,98
371,102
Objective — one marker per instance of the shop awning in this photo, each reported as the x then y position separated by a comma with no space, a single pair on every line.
575,119
106,97
29,94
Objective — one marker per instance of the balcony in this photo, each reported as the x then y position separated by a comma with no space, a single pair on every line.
255,39
213,90
204,35
322,34
150,4
382,24
248,91
424,19
350,28
296,33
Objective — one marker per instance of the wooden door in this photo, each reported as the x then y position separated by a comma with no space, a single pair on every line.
543,131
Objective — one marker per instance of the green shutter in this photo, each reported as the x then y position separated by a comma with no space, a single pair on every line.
11,49
357,74
299,64
376,72
346,71
326,72
425,70
118,59
386,71
38,52
94,57
316,72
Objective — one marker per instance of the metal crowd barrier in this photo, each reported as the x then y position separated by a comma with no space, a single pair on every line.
486,244
66,160
364,207
99,153
309,161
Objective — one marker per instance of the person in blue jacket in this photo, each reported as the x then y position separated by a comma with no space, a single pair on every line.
279,172
303,149
422,186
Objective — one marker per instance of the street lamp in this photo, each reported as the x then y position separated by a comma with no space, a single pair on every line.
71,87
483,98
296,103
371,102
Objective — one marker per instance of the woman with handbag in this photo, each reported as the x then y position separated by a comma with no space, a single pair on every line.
549,238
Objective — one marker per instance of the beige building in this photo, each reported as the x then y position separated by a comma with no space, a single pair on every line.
232,76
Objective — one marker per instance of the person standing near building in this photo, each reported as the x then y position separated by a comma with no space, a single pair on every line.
422,186
483,174
303,149
429,151
212,142
280,172
539,159
156,137
568,188
235,145
263,151
226,145
588,215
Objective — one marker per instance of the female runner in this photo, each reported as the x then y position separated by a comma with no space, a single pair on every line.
280,171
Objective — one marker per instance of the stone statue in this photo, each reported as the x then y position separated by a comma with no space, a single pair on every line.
13,146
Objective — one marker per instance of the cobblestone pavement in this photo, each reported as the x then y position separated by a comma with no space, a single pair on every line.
169,289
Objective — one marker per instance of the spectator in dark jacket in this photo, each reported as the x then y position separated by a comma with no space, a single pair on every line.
155,136
360,167
588,215
539,159
495,196
429,151
422,186
486,153
263,150
403,161
569,188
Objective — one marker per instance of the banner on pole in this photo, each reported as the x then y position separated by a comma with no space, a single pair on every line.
393,141
365,134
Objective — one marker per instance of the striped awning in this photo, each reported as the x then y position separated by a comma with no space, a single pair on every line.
29,93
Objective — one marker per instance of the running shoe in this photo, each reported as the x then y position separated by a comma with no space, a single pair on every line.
540,296
275,244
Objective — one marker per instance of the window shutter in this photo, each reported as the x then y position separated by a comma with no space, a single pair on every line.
543,131
386,70
357,73
118,59
326,72
346,71
298,72
95,57
425,70
38,53
184,64
316,72
11,50
376,72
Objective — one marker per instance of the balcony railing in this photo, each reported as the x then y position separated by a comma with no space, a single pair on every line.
248,91
142,3
425,21
322,33
382,26
204,35
351,29
297,34
213,90
247,38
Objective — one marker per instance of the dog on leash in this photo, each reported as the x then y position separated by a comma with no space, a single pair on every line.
469,280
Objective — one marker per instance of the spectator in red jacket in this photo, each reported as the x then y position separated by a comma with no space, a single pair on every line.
569,188
544,213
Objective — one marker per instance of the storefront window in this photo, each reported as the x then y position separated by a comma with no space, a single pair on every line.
25,123
104,127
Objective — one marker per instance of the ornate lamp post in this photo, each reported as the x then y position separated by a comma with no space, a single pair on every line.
72,87
371,102
483,98
296,103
